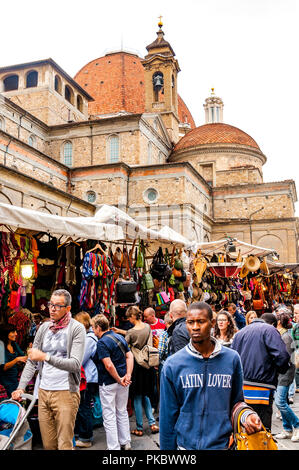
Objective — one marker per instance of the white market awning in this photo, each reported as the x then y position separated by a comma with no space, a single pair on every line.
176,237
75,227
133,229
208,248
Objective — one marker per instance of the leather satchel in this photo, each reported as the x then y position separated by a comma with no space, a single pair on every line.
148,356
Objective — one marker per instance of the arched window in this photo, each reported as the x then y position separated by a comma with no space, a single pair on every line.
68,154
31,140
149,153
69,94
11,83
57,84
80,103
31,79
114,148
2,124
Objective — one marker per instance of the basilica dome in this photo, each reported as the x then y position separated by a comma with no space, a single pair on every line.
216,133
117,83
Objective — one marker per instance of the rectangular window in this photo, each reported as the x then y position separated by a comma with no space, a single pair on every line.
114,149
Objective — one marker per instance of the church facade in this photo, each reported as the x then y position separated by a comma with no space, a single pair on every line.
119,133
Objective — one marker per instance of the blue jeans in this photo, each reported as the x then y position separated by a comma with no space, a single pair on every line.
289,419
84,422
139,400
291,392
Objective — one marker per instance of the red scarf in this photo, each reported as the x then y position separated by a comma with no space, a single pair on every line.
62,323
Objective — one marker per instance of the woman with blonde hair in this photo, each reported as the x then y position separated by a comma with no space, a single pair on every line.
251,315
84,420
143,380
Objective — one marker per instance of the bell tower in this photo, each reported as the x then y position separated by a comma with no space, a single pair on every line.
161,69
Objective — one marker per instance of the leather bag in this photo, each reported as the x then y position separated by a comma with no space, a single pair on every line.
148,356
125,291
261,440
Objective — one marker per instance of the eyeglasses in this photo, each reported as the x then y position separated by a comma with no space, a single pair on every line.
55,306
222,321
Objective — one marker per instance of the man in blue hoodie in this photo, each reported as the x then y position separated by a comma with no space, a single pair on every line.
200,385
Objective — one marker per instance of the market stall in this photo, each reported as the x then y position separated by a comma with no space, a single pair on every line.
107,262
232,271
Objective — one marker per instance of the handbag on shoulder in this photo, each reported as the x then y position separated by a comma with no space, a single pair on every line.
148,356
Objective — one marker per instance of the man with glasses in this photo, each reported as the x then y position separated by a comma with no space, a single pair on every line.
57,351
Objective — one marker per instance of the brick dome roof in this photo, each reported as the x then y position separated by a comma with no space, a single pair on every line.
217,133
116,82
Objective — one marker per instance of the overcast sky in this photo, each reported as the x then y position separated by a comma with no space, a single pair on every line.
246,49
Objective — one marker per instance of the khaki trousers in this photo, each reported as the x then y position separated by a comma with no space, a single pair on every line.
57,412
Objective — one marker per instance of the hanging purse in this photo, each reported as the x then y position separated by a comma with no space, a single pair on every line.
158,266
125,291
177,273
140,256
257,304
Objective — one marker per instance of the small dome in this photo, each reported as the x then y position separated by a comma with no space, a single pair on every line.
116,82
217,133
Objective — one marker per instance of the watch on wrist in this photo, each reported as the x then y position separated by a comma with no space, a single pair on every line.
47,358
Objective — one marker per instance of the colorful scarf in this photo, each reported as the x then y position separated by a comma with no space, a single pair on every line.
62,323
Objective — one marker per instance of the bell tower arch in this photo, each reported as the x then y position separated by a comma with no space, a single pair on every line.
161,69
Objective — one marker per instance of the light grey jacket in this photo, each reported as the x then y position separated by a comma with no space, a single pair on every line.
72,364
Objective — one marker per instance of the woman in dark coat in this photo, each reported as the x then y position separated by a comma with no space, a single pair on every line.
143,380
13,357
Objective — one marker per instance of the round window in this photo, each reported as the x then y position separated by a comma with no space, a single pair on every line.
151,194
91,196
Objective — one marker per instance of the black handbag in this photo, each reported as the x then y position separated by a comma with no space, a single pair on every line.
158,266
125,291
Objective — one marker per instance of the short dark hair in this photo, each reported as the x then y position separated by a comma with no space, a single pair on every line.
233,306
201,306
270,319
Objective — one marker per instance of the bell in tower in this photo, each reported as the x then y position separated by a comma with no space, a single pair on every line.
161,69
158,84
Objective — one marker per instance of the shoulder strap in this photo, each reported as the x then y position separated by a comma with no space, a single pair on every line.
89,336
119,344
150,337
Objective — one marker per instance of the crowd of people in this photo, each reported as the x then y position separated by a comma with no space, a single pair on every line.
208,365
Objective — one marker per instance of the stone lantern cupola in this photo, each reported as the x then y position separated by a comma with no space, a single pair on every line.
213,108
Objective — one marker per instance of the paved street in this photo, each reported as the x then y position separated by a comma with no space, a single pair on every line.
151,441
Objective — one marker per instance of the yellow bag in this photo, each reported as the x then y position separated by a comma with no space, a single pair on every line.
261,440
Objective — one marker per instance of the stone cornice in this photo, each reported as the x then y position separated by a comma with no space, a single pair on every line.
33,150
290,184
45,185
218,148
90,122
242,221
7,102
